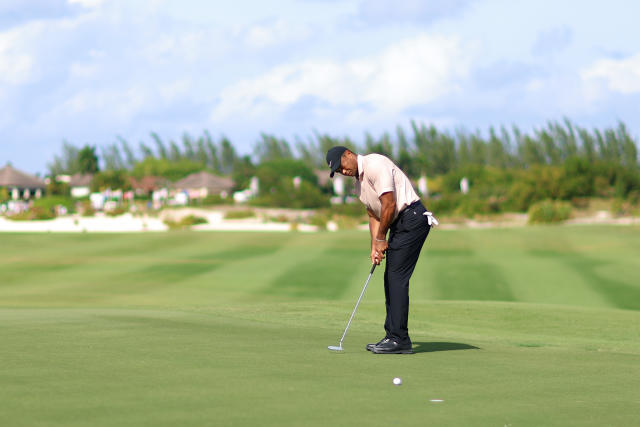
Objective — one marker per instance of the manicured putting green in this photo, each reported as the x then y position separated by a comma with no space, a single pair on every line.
532,326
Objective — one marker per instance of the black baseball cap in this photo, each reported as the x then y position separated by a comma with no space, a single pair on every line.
334,156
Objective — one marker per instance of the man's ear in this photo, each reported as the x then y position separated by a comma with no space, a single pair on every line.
344,156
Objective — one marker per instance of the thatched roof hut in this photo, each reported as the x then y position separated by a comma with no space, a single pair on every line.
13,178
203,183
148,184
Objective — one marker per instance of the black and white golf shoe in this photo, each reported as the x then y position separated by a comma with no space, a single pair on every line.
392,347
370,346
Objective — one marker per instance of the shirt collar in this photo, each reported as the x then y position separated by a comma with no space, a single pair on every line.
360,167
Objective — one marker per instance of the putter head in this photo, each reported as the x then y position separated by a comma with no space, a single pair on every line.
335,348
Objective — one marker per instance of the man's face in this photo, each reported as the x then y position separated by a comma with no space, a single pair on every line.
348,164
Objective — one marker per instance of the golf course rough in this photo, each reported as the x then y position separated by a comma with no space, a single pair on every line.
532,326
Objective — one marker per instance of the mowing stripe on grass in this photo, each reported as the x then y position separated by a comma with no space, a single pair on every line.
620,294
326,276
461,275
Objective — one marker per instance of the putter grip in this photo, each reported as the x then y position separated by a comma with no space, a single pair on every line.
373,267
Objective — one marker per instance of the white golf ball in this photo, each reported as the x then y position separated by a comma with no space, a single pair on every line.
397,381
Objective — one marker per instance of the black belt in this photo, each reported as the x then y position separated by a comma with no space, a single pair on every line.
413,205
406,210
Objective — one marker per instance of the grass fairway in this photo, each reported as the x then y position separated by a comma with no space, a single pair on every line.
532,326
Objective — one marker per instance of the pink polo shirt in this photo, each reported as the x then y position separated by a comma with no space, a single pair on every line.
378,175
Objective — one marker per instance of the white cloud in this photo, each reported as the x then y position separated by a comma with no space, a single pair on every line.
621,75
412,72
117,106
552,41
17,65
274,33
383,12
83,70
30,51
87,3
173,90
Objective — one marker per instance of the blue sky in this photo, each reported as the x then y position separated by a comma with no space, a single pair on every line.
90,70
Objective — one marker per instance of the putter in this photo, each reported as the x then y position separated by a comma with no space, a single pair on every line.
339,347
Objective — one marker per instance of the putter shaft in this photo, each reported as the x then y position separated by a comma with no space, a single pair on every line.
373,267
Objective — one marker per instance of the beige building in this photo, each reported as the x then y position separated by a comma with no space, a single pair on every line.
80,185
202,184
21,185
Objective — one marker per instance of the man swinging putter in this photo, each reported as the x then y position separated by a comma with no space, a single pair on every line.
392,205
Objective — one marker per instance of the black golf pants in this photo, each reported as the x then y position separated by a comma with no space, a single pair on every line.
407,235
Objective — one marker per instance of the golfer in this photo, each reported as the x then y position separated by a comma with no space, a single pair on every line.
393,206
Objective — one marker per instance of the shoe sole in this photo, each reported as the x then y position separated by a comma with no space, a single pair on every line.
371,346
374,351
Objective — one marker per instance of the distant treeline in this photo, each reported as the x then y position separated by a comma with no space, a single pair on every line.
507,168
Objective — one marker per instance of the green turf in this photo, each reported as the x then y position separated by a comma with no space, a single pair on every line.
532,326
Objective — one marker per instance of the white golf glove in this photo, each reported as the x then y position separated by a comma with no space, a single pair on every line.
431,219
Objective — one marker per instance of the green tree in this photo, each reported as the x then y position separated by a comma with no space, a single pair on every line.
111,157
67,163
162,150
88,160
130,157
243,170
187,143
214,159
172,170
115,180
270,173
202,155
228,156
146,151
382,146
174,151
272,148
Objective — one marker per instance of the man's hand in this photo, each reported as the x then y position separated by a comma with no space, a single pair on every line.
376,255
378,250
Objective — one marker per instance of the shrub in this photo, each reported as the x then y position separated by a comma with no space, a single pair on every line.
346,222
621,207
34,213
279,218
549,211
270,173
213,199
50,203
320,220
190,220
446,203
354,210
117,211
307,196
242,214
85,208
472,206
185,222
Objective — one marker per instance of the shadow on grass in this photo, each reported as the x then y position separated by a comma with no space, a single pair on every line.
427,347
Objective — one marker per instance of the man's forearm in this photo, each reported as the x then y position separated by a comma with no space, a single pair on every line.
374,224
386,215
